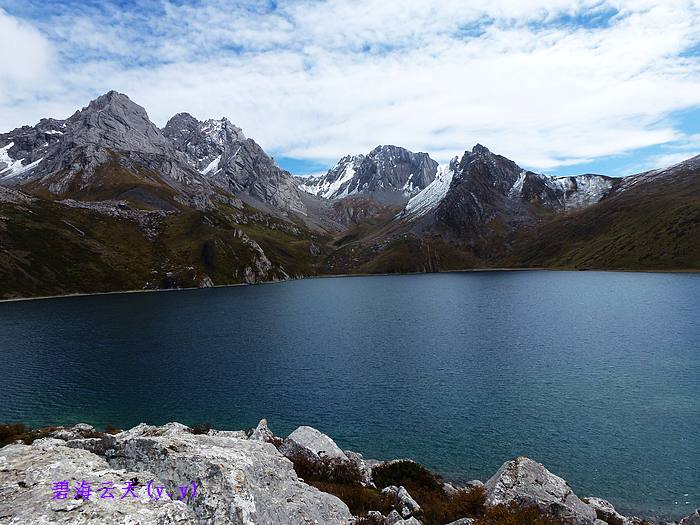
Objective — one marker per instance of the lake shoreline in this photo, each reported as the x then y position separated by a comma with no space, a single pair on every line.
338,276
316,463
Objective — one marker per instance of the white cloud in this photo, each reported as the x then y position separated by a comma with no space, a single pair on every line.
318,80
26,54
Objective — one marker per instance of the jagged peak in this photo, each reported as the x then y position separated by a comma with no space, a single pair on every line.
479,149
113,98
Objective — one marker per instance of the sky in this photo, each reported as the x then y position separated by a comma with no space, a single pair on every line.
559,86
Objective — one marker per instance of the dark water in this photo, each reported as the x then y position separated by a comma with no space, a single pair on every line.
595,375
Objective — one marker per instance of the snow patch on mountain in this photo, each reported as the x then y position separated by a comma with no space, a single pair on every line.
328,189
212,167
429,198
518,185
10,167
581,190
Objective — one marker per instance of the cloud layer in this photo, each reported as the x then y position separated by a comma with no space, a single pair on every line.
549,83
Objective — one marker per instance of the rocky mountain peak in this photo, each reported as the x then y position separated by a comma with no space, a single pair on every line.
181,122
114,121
388,173
479,149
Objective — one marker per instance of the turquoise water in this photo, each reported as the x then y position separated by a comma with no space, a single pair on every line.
595,375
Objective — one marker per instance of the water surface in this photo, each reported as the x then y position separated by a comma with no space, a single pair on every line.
593,374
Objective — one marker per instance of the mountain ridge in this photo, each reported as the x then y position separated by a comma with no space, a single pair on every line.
105,200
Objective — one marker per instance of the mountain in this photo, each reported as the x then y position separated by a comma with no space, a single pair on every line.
484,191
483,210
219,151
389,174
649,221
107,150
105,200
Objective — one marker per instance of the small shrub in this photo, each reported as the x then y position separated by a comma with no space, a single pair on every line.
331,470
202,428
407,473
439,508
112,430
9,433
360,500
515,515
19,432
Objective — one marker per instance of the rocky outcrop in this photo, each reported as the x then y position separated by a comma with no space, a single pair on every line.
529,483
239,481
29,472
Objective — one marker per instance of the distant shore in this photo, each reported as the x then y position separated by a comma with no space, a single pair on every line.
342,275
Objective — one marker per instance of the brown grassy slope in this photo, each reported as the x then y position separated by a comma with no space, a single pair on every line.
49,249
652,226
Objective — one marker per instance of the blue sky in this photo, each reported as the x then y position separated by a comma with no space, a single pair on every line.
559,86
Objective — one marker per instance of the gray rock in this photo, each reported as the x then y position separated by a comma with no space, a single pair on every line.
409,521
243,481
311,444
401,500
79,431
393,518
362,466
27,474
606,512
261,432
526,482
449,489
463,521
240,481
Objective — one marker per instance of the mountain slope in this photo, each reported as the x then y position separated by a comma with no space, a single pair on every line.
649,221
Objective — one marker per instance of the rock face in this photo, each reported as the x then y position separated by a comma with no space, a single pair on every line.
220,152
529,483
234,477
388,173
239,481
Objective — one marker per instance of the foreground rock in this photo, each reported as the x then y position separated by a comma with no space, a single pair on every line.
28,474
528,483
239,481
